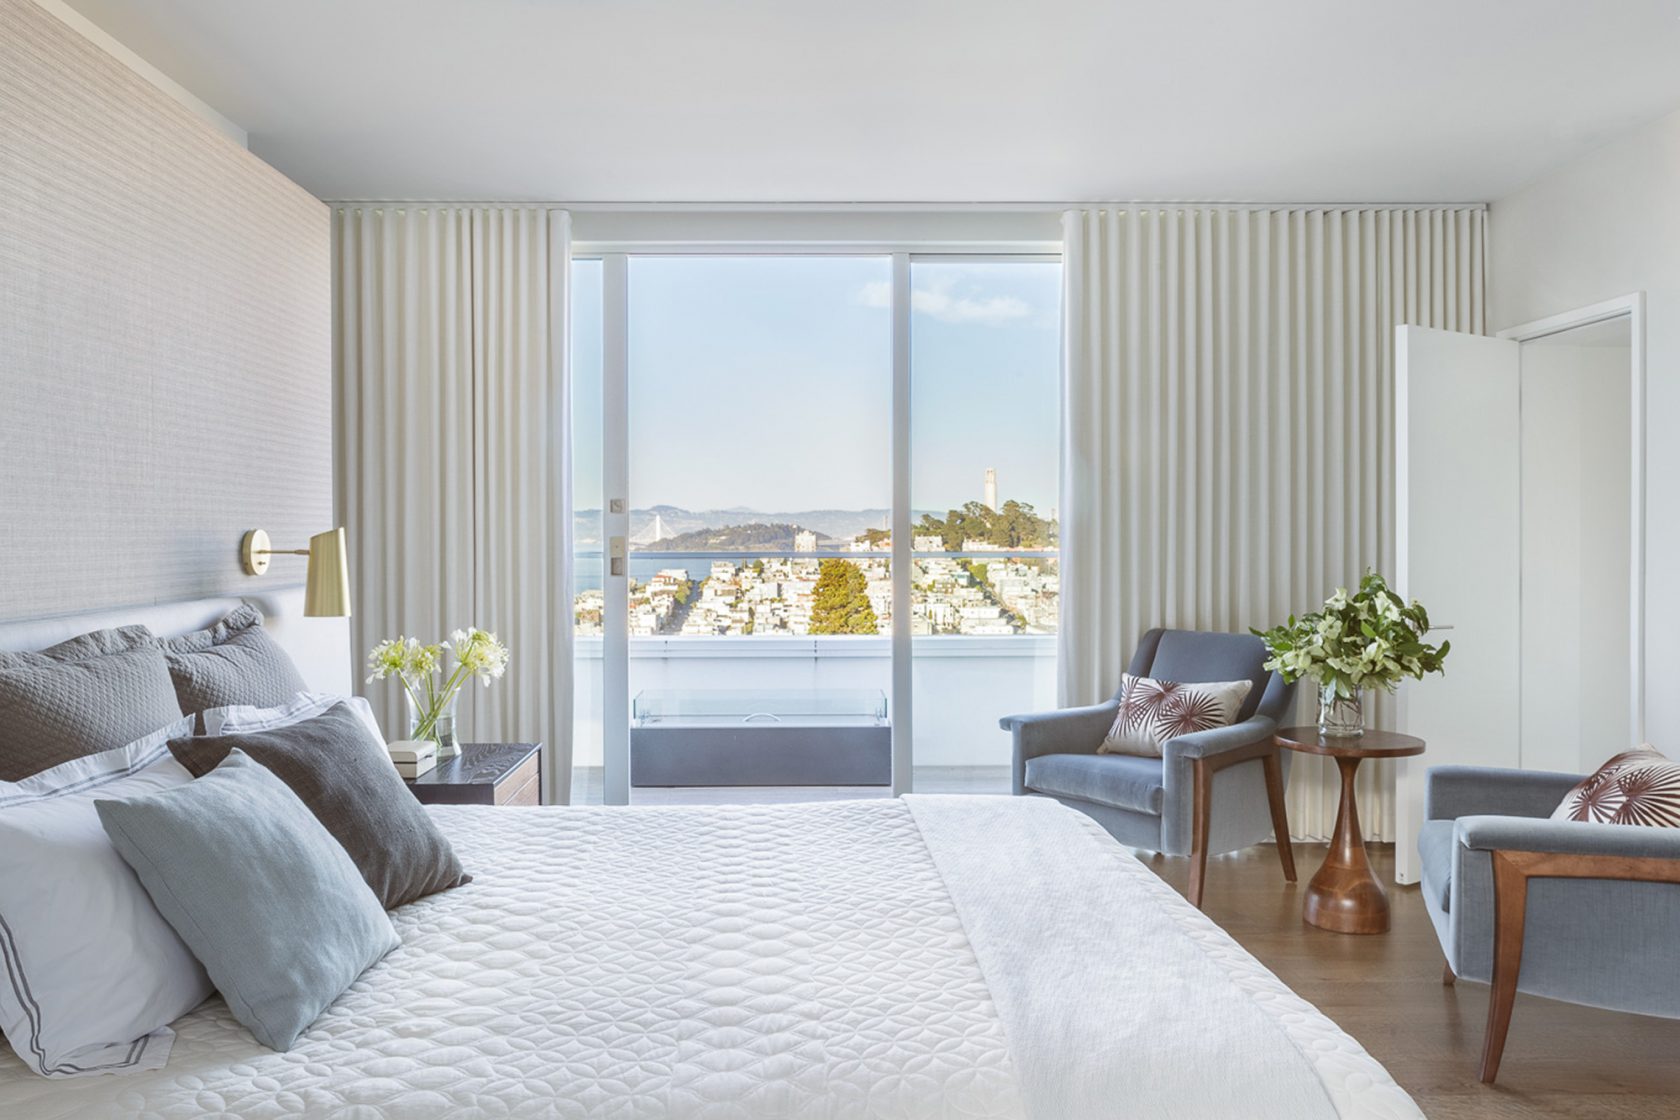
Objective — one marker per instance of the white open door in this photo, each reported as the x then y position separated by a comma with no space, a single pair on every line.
1458,546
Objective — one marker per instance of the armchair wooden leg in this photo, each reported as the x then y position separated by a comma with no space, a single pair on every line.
1201,808
1447,977
1280,815
1512,869
1510,911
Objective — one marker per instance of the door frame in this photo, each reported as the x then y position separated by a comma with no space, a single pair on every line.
616,257
1631,306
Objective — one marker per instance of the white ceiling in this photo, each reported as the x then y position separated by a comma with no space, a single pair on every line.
912,100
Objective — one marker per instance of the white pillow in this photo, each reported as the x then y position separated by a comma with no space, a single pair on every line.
93,973
1152,711
1641,786
238,719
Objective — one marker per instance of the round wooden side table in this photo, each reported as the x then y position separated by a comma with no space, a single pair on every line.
1345,896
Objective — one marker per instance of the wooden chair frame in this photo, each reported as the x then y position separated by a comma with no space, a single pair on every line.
1202,809
1512,869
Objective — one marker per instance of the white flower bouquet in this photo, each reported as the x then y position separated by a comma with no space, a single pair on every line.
431,702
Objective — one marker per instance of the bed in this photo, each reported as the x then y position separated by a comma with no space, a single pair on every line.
910,958
891,958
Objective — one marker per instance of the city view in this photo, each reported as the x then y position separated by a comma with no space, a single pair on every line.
752,434
988,569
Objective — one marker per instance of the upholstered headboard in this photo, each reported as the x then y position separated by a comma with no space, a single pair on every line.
319,646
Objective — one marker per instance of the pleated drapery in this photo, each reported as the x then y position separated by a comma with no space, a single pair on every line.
1228,429
453,478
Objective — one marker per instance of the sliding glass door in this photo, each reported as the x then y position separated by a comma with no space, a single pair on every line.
760,480
588,530
985,369
750,430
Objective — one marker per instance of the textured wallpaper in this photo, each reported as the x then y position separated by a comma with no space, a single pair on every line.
165,339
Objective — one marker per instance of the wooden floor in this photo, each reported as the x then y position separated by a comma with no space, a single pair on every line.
1386,991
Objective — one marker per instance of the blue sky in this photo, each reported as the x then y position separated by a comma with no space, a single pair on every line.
765,382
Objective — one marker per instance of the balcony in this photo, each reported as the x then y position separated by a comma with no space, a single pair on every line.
962,684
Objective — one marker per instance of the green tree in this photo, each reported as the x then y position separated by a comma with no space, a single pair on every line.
840,601
1016,525
932,526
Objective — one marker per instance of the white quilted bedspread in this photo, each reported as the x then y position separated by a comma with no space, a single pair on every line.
762,963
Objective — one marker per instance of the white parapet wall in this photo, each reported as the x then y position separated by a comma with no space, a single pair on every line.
962,684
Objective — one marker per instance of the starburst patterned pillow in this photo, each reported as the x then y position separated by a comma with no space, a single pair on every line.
1636,787
1152,711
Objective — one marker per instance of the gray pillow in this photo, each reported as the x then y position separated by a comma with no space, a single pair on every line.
95,692
233,662
264,897
333,762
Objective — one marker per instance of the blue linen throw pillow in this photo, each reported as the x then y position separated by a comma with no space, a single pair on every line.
259,890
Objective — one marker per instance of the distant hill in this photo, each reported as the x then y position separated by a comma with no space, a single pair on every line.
838,524
754,537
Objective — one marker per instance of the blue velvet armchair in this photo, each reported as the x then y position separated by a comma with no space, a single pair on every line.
1586,913
1211,792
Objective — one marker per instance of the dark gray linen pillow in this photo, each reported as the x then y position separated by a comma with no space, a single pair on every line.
261,893
233,662
95,692
345,777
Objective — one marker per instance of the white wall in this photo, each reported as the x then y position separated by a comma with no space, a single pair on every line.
1603,226
165,339
923,228
108,43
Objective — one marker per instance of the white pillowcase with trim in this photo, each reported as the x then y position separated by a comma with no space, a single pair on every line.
1152,712
93,973
239,719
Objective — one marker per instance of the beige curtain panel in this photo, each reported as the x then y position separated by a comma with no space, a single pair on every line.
453,474
1228,444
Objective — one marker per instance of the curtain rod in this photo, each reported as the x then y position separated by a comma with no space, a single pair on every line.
891,207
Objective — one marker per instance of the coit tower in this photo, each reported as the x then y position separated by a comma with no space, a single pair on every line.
991,488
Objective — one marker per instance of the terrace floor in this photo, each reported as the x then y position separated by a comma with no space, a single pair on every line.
587,788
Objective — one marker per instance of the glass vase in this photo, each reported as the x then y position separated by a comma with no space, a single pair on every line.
1340,717
440,730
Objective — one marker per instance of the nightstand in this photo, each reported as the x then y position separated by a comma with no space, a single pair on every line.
484,774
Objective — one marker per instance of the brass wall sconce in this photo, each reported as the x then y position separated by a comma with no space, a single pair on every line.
326,584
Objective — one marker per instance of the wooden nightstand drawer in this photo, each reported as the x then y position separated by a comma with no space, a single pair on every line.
523,785
484,774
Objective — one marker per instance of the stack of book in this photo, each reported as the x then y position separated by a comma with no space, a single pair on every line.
413,757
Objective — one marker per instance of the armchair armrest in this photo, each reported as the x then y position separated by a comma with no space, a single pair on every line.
1522,848
1221,740
1068,731
1466,791
1527,834
1192,764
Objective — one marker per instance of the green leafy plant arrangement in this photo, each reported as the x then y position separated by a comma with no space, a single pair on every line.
1369,638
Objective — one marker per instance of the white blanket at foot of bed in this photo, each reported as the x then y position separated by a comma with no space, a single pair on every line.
895,959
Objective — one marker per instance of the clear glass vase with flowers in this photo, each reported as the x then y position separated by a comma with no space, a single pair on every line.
431,692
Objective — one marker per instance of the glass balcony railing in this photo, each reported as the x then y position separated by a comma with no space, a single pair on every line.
776,706
961,686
